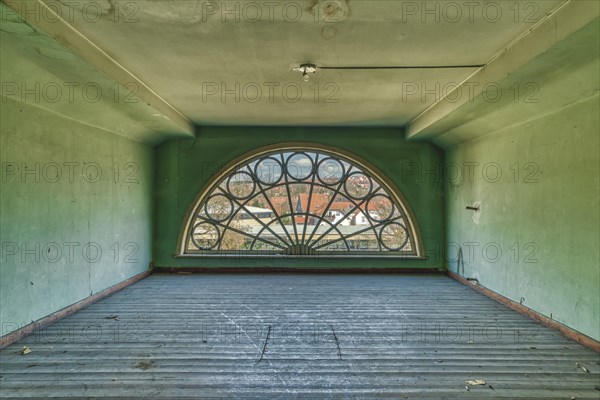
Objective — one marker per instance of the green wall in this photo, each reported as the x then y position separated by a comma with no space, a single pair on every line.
72,204
185,166
544,219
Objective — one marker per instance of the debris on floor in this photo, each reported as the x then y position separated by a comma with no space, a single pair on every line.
475,382
115,317
584,369
25,350
145,364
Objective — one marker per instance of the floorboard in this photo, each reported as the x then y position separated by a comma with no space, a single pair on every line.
298,336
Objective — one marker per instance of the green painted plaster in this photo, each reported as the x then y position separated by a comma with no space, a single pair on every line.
542,213
565,74
61,201
185,166
38,70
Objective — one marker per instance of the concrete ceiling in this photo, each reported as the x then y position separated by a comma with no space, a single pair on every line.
37,70
566,74
201,63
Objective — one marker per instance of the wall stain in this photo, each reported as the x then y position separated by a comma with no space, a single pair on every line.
332,11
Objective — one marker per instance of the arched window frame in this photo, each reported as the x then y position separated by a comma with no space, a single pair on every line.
217,179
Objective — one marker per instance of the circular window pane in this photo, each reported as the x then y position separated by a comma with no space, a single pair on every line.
358,185
380,208
241,185
393,236
303,195
205,235
299,166
268,171
218,207
330,171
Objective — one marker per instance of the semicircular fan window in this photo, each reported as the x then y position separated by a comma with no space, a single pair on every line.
300,202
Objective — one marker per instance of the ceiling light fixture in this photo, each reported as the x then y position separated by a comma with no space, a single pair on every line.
308,68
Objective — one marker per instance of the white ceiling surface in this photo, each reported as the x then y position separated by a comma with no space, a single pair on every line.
182,49
37,70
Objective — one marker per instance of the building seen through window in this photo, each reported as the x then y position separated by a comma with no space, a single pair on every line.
300,202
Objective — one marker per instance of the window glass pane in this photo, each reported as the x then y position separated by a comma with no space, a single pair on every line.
300,202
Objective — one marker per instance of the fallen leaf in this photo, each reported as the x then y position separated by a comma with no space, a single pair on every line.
476,382
25,350
115,317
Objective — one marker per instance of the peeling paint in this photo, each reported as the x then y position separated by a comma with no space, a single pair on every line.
330,11
476,214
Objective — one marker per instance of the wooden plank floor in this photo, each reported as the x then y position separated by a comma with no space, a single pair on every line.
298,336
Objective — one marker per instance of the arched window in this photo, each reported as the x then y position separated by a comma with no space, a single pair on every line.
300,200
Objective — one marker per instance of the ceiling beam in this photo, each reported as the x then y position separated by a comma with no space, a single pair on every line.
59,29
566,19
